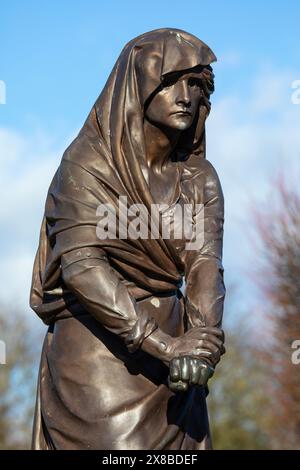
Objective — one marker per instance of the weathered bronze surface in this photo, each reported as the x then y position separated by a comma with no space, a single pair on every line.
127,357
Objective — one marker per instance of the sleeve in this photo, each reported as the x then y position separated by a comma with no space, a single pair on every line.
205,289
87,273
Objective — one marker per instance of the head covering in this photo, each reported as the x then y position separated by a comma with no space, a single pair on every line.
106,160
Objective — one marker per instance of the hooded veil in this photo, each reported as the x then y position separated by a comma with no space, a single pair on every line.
107,159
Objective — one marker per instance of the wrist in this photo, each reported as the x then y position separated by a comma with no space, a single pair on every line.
159,345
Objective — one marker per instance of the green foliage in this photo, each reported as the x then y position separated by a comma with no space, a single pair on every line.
239,406
279,230
255,394
17,380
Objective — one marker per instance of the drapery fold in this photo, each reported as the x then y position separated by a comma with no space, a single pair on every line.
106,161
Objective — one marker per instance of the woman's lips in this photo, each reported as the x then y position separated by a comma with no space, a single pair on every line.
183,113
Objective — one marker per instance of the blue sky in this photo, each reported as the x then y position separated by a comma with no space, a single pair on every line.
55,58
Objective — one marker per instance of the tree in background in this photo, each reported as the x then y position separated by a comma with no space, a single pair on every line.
240,411
17,380
279,278
254,399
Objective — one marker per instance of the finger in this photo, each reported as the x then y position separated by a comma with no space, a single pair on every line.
195,371
223,335
185,368
200,353
209,346
201,335
213,339
177,386
175,369
207,350
206,373
213,330
211,357
215,357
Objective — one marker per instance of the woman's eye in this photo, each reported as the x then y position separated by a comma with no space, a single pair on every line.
193,82
168,82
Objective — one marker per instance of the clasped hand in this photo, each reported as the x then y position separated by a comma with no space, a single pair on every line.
194,356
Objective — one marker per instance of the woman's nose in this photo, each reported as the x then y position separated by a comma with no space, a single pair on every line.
183,93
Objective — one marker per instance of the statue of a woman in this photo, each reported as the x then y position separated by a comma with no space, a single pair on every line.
126,357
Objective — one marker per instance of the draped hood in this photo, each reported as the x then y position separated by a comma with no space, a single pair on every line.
106,160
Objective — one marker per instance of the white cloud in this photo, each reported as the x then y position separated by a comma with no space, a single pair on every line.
250,140
27,167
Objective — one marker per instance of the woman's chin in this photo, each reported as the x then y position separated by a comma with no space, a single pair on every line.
182,126
181,123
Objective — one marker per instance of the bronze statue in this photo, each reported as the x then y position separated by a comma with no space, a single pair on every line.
127,356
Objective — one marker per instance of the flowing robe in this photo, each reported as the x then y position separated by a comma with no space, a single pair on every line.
101,298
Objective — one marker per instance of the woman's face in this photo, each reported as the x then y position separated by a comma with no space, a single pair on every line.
177,103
